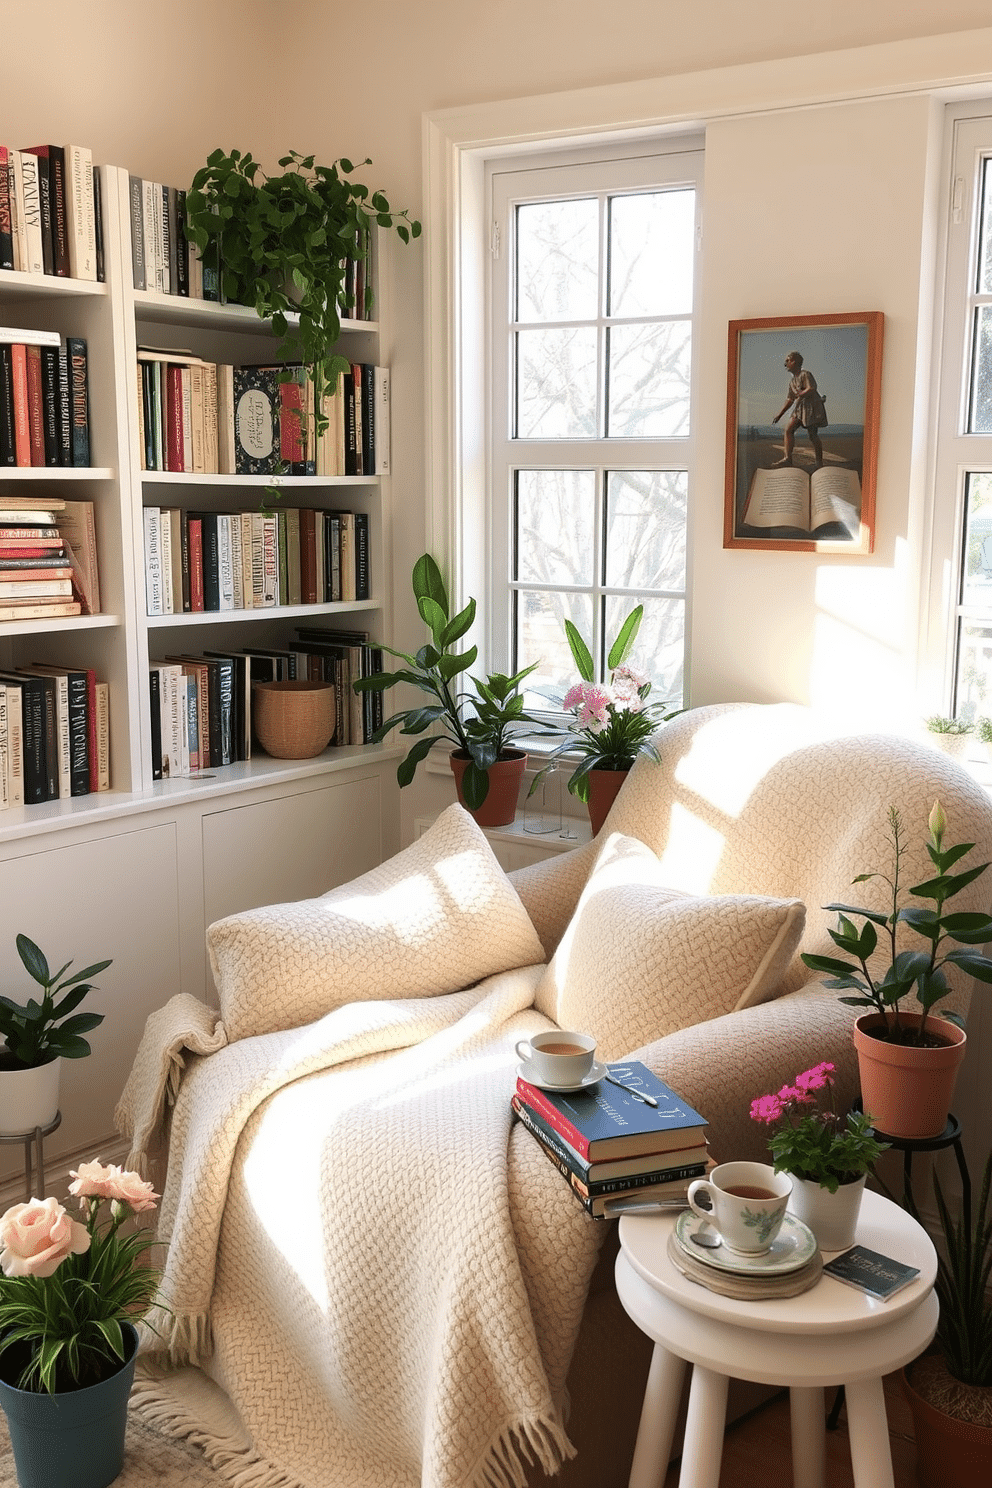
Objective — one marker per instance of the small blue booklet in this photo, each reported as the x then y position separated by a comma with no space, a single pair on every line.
878,1275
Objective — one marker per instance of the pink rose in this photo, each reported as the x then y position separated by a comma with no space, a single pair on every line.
36,1238
94,1180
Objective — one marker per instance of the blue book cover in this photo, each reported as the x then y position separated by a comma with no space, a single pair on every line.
604,1120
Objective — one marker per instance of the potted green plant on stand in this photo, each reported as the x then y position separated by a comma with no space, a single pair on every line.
488,769
280,243
70,1296
909,1060
828,1156
949,1388
614,722
38,1035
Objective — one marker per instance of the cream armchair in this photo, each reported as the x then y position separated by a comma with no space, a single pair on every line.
430,1306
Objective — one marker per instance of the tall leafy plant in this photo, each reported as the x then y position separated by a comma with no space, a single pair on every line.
37,1032
279,243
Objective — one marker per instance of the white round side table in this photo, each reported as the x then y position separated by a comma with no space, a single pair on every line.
831,1335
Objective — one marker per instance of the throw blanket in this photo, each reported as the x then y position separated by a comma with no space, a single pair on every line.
384,1297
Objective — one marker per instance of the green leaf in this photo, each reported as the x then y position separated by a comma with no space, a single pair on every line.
68,1048
428,583
449,666
433,617
948,884
459,624
625,640
868,914
580,652
34,960
828,963
475,785
418,719
85,974
977,966
407,767
969,929
81,1023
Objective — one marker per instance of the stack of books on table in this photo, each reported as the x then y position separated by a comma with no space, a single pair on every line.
614,1150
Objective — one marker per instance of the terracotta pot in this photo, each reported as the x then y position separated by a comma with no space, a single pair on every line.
908,1091
833,1217
604,787
500,806
948,1451
29,1097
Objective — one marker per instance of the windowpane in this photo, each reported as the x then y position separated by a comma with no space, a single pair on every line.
976,579
556,384
651,253
649,369
985,240
974,681
555,526
558,260
658,650
541,637
645,528
980,417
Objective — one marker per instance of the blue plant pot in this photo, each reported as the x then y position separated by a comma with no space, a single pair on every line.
75,1437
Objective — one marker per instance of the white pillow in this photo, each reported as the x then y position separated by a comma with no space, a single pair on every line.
435,918
640,960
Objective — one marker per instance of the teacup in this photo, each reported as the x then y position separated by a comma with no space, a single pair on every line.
557,1056
746,1203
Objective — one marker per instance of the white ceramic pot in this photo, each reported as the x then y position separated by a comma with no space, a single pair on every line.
29,1098
833,1217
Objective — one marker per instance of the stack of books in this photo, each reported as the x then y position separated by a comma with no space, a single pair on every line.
36,571
614,1150
54,734
51,213
44,399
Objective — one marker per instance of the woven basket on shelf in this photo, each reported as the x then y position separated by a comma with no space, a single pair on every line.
293,720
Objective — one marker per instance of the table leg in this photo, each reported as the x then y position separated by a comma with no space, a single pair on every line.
704,1428
27,1170
662,1397
808,1436
39,1161
867,1427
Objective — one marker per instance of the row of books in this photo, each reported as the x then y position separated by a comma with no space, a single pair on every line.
163,258
51,211
44,399
54,734
208,560
48,564
201,705
201,417
612,1149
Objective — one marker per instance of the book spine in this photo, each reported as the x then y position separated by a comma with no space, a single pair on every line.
174,442
172,234
35,769
225,563
153,561
165,559
102,705
164,234
149,217
536,1099
211,562
31,213
270,562
51,749
45,200
36,405
80,214
6,224
226,457
76,347
92,744
225,697
368,418
4,761
15,745
60,210
65,409
79,734
195,565
101,262
8,450
155,711
181,286
135,197
50,404
22,420
16,177
363,581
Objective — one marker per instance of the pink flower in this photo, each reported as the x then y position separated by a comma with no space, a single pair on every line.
816,1078
93,1180
37,1237
766,1108
590,703
627,684
574,697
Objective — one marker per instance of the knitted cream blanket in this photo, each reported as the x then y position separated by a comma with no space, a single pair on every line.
385,1282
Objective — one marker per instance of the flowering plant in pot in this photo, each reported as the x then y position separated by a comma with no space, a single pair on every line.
38,1034
70,1295
613,721
480,725
825,1153
950,1387
931,1045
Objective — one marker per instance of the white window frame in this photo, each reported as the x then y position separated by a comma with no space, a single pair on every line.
668,162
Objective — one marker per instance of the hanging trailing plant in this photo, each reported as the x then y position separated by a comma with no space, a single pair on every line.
280,244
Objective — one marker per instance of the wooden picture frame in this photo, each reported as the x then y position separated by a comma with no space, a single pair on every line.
823,409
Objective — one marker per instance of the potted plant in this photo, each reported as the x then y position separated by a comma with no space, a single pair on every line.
70,1296
909,1061
950,735
487,768
614,722
983,730
280,244
949,1388
828,1156
38,1035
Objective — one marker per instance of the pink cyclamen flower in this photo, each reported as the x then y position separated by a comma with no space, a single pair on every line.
94,1180
766,1108
37,1237
817,1078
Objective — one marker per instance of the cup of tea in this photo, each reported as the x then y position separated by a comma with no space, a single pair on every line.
745,1201
557,1057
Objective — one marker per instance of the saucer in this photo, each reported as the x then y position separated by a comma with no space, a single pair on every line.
592,1078
794,1246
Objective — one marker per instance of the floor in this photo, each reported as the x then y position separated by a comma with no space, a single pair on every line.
757,1450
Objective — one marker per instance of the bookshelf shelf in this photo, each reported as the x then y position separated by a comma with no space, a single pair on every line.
15,282
55,473
151,305
273,612
68,623
287,484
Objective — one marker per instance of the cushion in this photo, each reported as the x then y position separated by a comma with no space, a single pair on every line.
640,960
435,918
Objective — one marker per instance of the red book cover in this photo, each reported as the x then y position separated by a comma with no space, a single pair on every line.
292,450
174,457
36,405
22,423
195,564
41,547
308,556
26,575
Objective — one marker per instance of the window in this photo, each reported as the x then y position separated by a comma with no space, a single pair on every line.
591,340
964,447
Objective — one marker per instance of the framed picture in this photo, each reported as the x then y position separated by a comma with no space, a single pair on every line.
803,396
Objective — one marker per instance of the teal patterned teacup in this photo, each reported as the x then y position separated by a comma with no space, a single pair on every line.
745,1202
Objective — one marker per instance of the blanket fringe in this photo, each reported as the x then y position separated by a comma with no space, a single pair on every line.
185,1338
241,1465
521,1442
